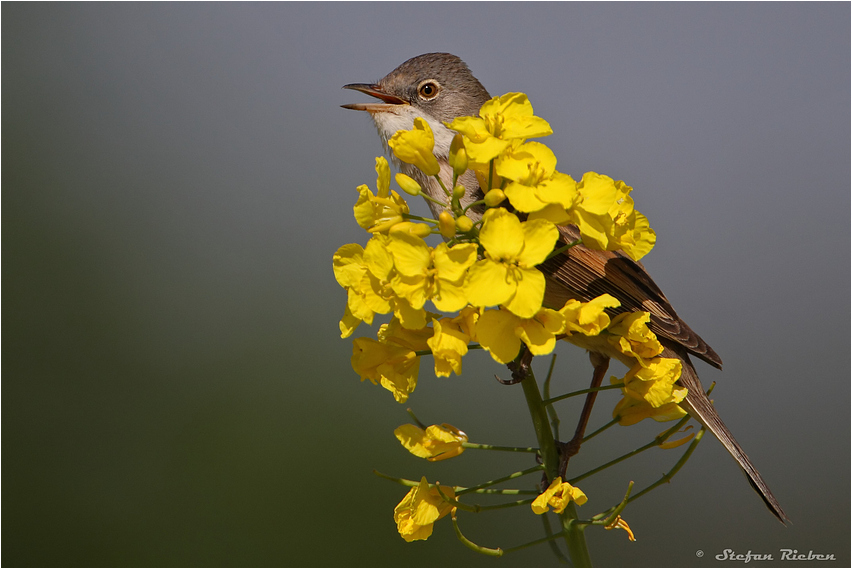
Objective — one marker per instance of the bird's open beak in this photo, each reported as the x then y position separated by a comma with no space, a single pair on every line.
376,91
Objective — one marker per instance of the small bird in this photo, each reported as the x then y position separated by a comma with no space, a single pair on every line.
439,87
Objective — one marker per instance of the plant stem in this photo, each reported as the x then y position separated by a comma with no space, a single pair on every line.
573,533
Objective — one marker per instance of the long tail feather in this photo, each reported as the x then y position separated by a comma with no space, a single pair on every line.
700,407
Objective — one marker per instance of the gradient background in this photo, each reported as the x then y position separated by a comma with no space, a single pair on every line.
177,176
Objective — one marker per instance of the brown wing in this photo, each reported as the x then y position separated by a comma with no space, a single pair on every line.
583,274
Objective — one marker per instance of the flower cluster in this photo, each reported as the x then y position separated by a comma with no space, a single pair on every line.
483,283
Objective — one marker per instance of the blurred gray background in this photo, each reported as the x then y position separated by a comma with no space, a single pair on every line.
176,178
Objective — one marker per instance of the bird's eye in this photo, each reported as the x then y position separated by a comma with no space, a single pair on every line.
428,89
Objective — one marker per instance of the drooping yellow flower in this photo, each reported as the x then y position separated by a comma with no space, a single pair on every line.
558,495
632,337
394,367
588,318
378,213
415,147
448,344
507,275
501,333
430,274
438,442
535,182
500,120
420,509
650,391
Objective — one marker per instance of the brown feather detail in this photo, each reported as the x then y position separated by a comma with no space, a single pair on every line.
701,408
584,274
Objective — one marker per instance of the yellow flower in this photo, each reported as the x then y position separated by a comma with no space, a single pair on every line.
535,182
588,318
650,391
508,275
391,361
438,442
430,274
632,337
500,120
448,344
501,333
420,509
395,367
606,217
378,213
558,496
415,147
365,292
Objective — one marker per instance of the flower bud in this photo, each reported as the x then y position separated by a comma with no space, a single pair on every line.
464,224
408,185
494,198
419,229
458,192
447,225
458,155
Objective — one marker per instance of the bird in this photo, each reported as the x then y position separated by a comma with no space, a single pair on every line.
439,87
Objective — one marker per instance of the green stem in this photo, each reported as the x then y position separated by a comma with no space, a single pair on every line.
553,400
563,249
496,447
573,533
512,476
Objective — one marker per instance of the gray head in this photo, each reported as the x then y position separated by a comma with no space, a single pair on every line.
438,85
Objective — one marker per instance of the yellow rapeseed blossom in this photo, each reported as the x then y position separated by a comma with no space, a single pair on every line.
394,367
500,120
588,318
558,495
420,509
606,217
508,275
438,442
650,391
378,213
415,147
435,274
632,337
448,344
535,183
501,333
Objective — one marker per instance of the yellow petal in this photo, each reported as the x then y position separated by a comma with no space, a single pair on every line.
488,283
539,238
529,293
411,255
495,331
502,235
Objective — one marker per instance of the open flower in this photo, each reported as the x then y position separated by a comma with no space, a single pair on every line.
437,442
558,495
420,509
501,333
415,147
500,120
535,183
425,273
508,275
